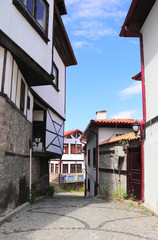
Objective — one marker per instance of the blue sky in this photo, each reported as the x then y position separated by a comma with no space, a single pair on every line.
106,62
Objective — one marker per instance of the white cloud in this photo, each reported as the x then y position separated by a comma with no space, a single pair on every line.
134,89
135,42
94,30
125,114
80,44
91,18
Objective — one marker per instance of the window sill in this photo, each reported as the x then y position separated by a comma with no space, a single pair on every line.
44,34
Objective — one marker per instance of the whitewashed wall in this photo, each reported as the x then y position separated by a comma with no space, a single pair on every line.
54,98
72,156
54,127
150,41
105,133
20,29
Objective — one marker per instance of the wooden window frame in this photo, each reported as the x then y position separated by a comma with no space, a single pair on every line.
79,148
73,168
32,19
66,168
57,168
66,148
73,148
55,81
79,168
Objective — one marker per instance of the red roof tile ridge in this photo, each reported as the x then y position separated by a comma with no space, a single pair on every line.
66,133
127,136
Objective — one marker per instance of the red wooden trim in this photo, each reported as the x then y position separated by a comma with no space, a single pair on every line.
4,70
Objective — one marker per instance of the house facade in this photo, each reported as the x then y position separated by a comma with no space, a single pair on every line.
120,165
70,168
34,53
141,21
97,131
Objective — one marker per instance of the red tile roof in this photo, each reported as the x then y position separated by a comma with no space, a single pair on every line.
120,121
128,136
71,132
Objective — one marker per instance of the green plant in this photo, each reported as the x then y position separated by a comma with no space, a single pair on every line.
32,194
51,190
9,219
105,192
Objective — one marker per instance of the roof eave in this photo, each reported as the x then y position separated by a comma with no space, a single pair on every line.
136,16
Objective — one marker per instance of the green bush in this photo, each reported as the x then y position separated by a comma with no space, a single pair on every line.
105,192
51,190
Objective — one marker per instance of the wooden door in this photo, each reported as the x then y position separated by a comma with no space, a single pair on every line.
134,171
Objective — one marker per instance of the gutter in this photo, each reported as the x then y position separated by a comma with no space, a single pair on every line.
138,34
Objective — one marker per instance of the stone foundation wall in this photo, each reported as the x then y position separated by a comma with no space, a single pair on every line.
109,169
15,132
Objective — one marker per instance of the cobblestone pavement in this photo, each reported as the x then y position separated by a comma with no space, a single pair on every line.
69,217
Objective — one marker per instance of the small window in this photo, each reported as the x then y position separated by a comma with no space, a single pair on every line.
79,149
22,96
36,13
41,13
65,150
88,185
56,168
72,168
55,73
28,102
73,149
65,168
79,168
89,157
52,168
94,157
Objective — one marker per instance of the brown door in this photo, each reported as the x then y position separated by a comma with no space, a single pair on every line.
134,173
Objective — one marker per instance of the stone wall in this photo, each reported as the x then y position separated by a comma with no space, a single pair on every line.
109,165
15,132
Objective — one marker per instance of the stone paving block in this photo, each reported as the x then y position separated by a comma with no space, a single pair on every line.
70,217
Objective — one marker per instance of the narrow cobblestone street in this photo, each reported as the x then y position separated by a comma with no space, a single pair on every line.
73,217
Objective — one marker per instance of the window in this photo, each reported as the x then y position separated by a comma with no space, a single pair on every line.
22,96
72,168
28,102
79,149
65,168
73,149
94,157
79,168
55,73
65,150
56,168
52,168
36,13
88,185
89,157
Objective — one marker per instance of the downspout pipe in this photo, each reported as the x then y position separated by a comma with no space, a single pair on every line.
138,34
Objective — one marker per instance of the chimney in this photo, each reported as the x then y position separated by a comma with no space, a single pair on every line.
101,114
